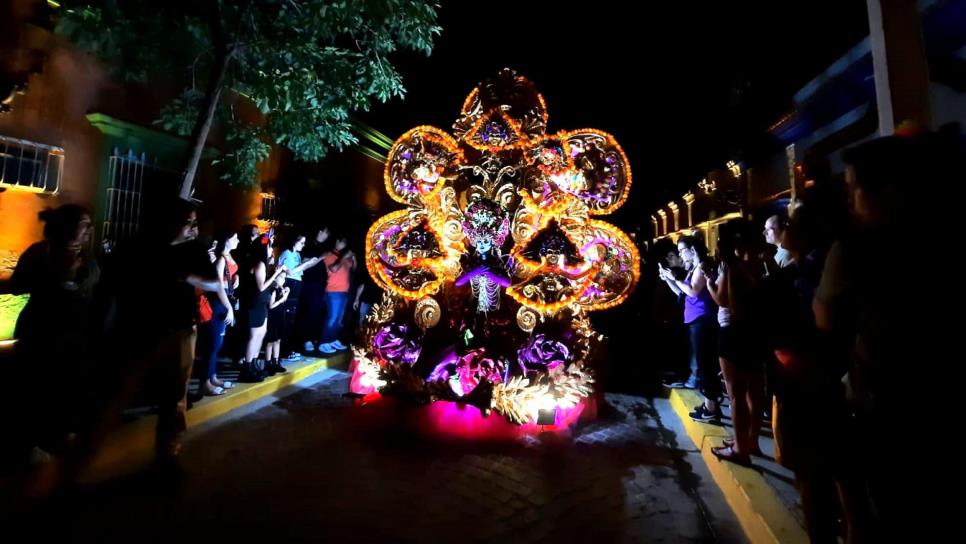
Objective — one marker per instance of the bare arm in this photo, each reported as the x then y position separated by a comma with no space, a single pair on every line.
222,293
665,275
306,265
823,315
207,285
336,265
260,282
220,268
698,283
673,285
275,302
828,303
716,288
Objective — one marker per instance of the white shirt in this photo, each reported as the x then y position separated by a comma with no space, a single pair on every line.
782,257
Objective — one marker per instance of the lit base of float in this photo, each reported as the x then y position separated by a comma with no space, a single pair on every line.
443,420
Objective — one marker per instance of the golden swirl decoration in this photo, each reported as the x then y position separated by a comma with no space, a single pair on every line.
533,291
527,318
453,230
576,212
452,269
447,199
427,313
523,228
475,192
505,195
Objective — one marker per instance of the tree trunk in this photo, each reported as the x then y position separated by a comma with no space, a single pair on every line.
199,136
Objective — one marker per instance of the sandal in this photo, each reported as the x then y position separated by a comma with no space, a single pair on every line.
224,384
730,442
727,453
214,391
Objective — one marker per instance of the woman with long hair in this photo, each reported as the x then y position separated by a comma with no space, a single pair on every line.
276,325
700,317
294,265
53,330
256,288
222,316
734,289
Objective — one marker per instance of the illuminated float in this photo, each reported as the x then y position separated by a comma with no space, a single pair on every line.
493,266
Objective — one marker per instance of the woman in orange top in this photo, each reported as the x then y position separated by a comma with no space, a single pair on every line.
340,264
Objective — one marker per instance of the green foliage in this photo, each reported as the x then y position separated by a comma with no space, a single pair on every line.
247,149
306,64
180,115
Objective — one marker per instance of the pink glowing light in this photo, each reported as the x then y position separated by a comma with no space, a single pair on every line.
453,421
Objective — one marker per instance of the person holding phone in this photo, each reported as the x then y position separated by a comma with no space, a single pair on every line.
280,293
294,265
700,315
256,288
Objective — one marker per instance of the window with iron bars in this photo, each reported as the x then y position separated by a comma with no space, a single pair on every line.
132,180
29,166
270,208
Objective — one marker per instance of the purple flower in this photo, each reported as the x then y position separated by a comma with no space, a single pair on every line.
397,343
464,373
543,353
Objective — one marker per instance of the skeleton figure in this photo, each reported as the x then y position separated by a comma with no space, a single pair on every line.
486,226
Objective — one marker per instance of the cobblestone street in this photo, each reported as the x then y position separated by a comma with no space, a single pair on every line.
291,469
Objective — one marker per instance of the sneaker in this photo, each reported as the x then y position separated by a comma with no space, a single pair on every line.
701,413
294,356
309,347
338,345
675,384
39,456
327,349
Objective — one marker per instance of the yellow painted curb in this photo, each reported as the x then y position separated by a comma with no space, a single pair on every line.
133,444
762,515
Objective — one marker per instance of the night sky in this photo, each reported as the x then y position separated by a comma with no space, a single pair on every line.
710,77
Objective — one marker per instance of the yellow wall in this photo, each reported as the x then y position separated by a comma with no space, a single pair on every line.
52,112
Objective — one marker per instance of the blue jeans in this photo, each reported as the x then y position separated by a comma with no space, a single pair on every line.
216,334
335,304
704,356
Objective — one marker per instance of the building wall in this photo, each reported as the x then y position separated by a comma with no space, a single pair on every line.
52,111
55,109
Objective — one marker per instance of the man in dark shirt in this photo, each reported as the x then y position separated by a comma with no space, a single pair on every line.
156,283
312,300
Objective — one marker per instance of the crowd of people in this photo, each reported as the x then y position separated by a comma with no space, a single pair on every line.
150,313
806,319
811,321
